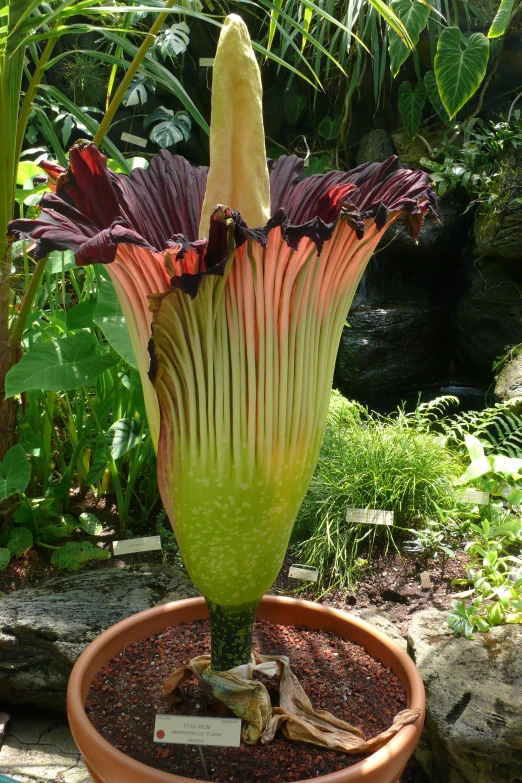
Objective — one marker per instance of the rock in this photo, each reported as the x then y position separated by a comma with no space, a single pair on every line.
40,749
375,147
44,630
509,382
473,729
488,316
498,228
410,151
404,271
382,621
392,347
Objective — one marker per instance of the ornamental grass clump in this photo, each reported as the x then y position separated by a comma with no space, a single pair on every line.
235,283
371,461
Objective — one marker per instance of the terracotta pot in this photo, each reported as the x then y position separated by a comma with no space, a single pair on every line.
108,765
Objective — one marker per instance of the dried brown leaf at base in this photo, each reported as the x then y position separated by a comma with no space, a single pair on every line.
249,699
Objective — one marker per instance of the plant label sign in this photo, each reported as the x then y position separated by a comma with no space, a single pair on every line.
369,516
298,571
475,496
136,545
206,62
137,140
187,730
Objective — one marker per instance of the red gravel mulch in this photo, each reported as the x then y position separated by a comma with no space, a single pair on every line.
337,675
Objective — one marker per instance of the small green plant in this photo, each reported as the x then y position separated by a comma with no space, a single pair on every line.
478,163
38,521
370,461
494,576
494,581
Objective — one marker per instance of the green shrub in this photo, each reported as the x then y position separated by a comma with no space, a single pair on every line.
370,461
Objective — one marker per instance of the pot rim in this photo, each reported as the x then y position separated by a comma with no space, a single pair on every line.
84,728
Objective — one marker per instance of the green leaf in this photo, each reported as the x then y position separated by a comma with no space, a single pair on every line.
98,467
109,318
134,163
411,104
15,472
474,447
91,524
515,497
73,554
50,533
20,539
500,23
482,624
430,82
59,260
5,557
27,170
318,165
81,315
123,436
172,129
507,466
414,16
495,616
329,129
459,71
58,365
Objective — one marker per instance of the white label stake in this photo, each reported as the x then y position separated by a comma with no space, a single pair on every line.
369,516
137,140
298,571
136,545
206,62
475,496
186,730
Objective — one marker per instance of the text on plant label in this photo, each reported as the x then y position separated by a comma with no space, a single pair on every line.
136,545
188,730
369,516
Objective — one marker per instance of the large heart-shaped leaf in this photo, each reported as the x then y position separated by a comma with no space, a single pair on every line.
459,71
20,539
108,316
411,104
500,23
58,365
430,82
81,315
328,128
15,472
414,16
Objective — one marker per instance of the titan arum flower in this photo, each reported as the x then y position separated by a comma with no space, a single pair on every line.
235,284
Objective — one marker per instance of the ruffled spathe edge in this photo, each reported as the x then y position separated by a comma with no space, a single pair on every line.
94,210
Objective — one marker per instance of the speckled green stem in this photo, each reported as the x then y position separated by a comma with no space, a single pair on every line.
231,634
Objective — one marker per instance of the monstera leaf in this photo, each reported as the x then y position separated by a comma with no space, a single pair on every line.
411,104
459,67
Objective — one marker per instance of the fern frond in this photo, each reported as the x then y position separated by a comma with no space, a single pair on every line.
498,427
